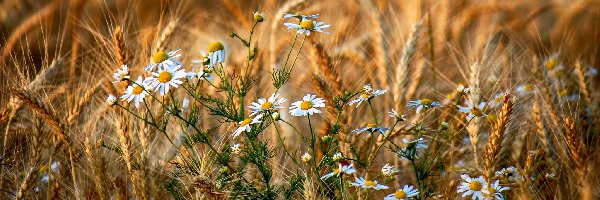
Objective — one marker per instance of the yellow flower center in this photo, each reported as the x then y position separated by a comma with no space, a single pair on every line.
528,87
137,90
371,125
551,64
165,77
160,57
491,118
475,185
267,105
305,105
400,194
426,102
563,92
307,25
370,183
476,111
245,122
215,46
365,95
336,171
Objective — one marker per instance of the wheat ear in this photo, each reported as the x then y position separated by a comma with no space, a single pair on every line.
497,134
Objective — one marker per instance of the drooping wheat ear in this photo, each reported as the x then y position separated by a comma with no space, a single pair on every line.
497,134
403,67
26,26
34,163
324,90
83,101
119,43
547,96
124,141
165,35
44,112
582,81
97,175
325,64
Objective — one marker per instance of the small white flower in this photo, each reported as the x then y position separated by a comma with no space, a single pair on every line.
388,170
307,106
216,53
498,99
265,105
406,192
495,191
472,186
306,157
511,173
306,26
372,128
245,125
236,148
472,110
366,184
419,143
393,114
137,91
198,73
366,94
165,78
525,89
462,89
343,168
111,99
423,103
276,116
163,60
337,157
552,64
121,74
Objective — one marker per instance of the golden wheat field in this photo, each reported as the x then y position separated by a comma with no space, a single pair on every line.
299,99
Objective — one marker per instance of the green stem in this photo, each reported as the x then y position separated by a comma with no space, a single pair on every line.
297,54
290,52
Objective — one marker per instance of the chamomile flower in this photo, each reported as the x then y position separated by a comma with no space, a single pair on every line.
511,173
300,16
245,125
366,94
462,89
525,89
388,170
337,157
307,26
236,149
198,72
165,78
400,118
264,105
121,74
552,64
111,99
418,143
343,168
368,184
423,103
307,106
472,186
137,91
495,191
164,59
498,99
473,110
306,157
406,192
372,128
216,53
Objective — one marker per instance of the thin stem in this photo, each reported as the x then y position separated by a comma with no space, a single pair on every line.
297,54
290,52
283,144
373,112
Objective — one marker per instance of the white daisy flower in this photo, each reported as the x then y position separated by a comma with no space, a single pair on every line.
372,128
406,192
300,16
265,105
197,73
495,191
166,77
236,149
337,157
552,64
498,99
418,143
423,103
245,125
121,74
216,53
307,106
111,99
366,184
388,170
474,111
525,89
163,60
307,26
511,173
306,157
472,186
343,168
366,94
462,89
137,91
393,114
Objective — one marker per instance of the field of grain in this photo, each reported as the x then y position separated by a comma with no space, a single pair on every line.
299,99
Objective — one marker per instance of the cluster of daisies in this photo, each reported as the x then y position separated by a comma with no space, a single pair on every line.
479,188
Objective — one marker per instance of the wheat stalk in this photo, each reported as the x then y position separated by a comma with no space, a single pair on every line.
403,67
497,134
